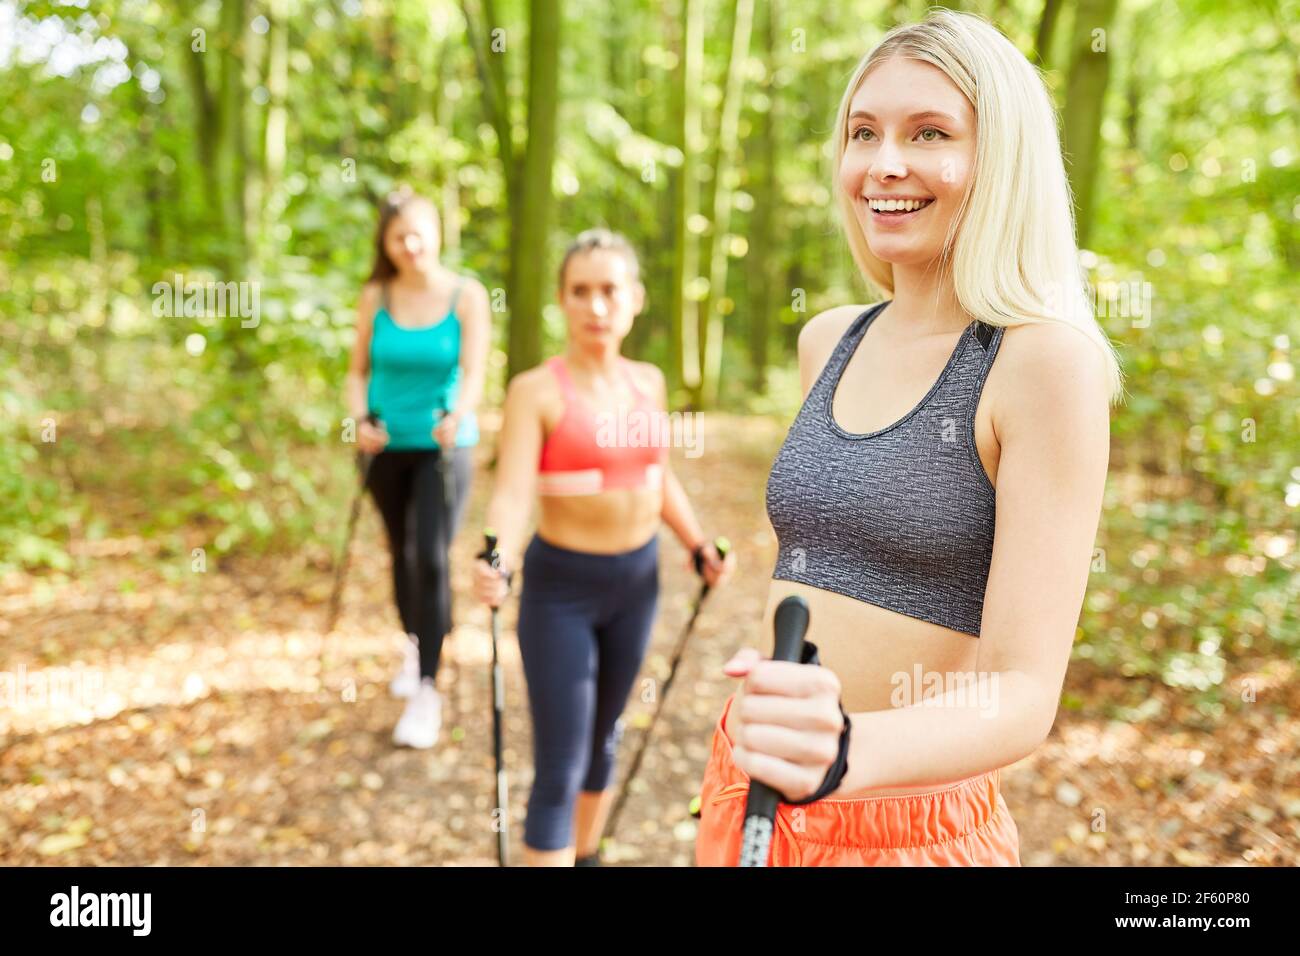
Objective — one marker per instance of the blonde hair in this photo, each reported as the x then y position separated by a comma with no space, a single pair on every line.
1011,248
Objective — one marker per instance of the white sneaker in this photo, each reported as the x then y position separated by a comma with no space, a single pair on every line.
422,718
407,681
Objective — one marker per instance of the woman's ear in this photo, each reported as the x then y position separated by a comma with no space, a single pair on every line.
638,298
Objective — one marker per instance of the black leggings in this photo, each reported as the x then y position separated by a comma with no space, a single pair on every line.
584,625
408,490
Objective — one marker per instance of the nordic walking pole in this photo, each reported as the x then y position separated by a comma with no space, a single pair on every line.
611,827
341,565
791,623
502,814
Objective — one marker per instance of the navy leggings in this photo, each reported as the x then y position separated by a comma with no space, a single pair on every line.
407,487
584,626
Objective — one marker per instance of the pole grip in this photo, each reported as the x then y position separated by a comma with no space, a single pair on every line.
365,458
490,553
721,544
790,624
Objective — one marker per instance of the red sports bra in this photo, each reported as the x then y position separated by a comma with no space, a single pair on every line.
589,453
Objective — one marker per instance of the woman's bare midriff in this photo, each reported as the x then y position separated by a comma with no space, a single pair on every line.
873,651
610,522
876,652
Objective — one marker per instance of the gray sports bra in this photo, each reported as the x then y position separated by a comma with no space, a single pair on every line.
901,517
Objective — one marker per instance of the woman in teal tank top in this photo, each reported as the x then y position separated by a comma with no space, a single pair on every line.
418,365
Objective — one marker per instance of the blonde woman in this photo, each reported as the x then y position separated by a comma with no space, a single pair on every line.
938,494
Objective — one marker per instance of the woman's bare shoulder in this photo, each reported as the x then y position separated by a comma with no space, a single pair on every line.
371,292
830,325
474,290
1044,366
649,377
820,335
533,387
368,305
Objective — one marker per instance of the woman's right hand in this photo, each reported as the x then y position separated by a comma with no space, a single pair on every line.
784,723
371,439
490,585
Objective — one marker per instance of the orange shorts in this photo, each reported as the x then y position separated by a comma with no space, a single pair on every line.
965,824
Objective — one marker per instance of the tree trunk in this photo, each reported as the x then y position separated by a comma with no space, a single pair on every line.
390,91
531,230
1085,103
232,164
678,104
277,86
207,123
796,278
444,115
688,264
716,303
1135,80
252,52
151,184
759,260
491,68
1046,30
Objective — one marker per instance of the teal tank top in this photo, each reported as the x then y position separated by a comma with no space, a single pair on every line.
414,377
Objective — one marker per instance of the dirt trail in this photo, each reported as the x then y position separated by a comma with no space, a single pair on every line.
214,741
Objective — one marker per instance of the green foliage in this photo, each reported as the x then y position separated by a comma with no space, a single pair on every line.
200,431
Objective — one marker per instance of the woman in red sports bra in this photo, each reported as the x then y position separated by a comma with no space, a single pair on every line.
587,431
575,461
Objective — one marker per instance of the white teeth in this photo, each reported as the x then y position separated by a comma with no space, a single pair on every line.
897,205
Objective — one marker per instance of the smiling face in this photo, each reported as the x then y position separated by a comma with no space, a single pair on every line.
411,239
600,297
908,160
